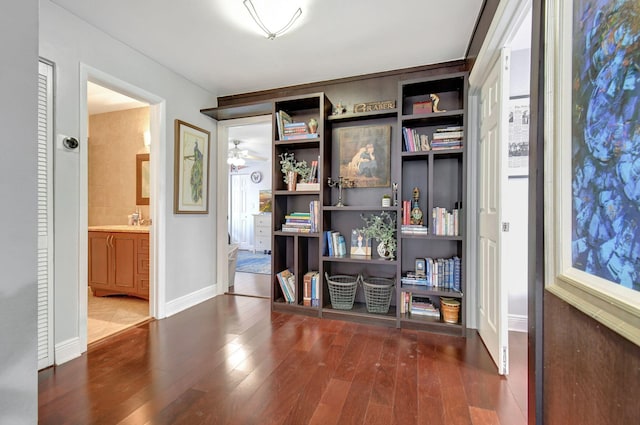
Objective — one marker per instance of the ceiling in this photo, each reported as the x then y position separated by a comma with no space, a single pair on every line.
215,43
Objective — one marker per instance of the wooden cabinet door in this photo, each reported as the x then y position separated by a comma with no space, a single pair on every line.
123,252
142,270
99,260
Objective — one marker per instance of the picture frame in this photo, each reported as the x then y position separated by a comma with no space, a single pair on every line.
591,235
191,170
142,179
365,155
518,157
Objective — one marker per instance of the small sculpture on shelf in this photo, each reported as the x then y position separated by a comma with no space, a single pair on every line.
313,125
436,100
416,211
340,183
339,109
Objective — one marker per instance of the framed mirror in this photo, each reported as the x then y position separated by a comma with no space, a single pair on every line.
142,179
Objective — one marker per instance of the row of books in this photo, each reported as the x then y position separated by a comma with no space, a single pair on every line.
311,289
442,138
335,244
415,142
287,281
303,222
418,305
445,222
438,273
290,130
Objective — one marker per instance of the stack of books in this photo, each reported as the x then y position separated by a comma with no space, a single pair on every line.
447,138
422,306
411,278
297,222
287,281
290,130
418,305
414,229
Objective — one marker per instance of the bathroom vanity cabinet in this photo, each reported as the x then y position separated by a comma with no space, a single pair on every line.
119,260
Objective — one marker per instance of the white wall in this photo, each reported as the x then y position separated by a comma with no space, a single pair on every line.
190,248
516,211
18,112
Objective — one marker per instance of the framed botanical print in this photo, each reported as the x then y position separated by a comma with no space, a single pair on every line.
191,180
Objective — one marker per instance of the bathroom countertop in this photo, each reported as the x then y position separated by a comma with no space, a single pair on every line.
122,228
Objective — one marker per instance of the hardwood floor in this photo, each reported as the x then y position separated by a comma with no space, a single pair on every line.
252,285
230,361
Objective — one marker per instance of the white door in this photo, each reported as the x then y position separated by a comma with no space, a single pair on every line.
240,221
45,217
492,293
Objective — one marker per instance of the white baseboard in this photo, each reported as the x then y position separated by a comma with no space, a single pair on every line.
189,300
67,350
518,323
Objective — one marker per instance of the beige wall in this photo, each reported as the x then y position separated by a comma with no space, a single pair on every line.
114,140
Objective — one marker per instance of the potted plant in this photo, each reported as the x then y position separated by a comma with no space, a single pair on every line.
291,169
382,228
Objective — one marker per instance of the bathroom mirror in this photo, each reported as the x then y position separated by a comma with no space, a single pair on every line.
142,179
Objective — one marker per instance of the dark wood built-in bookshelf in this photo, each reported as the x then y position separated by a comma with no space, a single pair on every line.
438,173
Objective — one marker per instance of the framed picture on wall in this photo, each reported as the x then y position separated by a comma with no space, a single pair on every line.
592,182
191,180
518,164
365,156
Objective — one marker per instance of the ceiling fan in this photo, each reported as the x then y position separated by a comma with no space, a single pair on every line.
238,157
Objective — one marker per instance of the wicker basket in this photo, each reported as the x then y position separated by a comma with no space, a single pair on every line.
342,290
450,309
377,293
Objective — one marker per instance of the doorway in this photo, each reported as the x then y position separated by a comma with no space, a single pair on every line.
247,169
157,169
118,205
510,29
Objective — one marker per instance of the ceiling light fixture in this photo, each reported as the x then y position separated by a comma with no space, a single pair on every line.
270,35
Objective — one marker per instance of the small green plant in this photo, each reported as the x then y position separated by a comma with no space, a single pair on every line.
382,228
288,163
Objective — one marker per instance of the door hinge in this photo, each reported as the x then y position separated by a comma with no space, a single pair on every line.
504,359
505,226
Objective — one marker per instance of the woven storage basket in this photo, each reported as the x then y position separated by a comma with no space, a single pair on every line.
342,290
450,309
377,293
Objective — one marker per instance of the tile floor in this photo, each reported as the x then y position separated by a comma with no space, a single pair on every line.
109,315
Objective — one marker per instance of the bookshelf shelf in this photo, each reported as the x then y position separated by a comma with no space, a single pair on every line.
295,192
430,291
360,208
431,237
360,260
433,116
295,234
364,116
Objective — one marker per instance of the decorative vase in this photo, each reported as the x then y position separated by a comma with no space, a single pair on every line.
383,253
313,125
292,179
386,202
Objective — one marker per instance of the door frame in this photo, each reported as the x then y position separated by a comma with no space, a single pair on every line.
222,225
507,19
158,201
